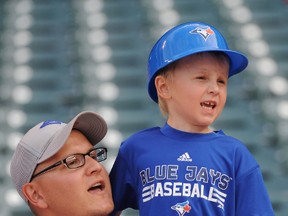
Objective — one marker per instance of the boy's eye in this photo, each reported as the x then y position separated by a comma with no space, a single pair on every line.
222,81
200,77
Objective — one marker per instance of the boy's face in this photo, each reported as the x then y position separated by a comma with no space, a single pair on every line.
197,92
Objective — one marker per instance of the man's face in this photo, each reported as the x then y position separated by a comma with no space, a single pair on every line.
82,191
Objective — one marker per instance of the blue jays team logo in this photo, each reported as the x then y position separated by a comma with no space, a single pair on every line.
182,208
50,122
204,32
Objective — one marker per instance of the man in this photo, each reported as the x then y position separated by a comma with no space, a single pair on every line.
56,168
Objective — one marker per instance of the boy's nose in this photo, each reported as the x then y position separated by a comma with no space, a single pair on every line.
213,88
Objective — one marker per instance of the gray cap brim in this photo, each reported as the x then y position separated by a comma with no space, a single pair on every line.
90,124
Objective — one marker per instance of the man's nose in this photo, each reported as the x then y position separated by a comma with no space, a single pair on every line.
92,165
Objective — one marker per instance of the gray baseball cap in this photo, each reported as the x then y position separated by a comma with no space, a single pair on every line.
46,138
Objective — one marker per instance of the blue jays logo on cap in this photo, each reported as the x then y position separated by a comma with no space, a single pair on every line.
49,122
204,32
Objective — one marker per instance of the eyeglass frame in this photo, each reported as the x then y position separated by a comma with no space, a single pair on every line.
103,150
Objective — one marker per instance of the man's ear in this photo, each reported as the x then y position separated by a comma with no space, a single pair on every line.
162,87
33,194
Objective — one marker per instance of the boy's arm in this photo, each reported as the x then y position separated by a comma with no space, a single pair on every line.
124,195
252,196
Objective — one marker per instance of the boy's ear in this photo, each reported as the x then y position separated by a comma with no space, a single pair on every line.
33,194
162,87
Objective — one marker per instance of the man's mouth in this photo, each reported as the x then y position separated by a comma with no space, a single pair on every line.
208,104
97,186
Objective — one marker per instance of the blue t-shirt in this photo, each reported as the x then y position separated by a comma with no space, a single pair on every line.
164,171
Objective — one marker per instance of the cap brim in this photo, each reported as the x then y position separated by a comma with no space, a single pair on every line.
90,124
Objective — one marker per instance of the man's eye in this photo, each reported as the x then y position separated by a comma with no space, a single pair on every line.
72,161
93,154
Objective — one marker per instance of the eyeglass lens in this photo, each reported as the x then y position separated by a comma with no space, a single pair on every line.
77,160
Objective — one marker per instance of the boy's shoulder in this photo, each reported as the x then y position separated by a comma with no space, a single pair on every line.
144,133
135,140
227,136
234,142
230,138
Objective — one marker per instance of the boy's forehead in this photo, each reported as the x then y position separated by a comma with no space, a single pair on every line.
216,55
204,59
222,58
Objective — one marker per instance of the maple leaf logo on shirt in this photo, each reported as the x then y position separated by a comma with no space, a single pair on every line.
182,208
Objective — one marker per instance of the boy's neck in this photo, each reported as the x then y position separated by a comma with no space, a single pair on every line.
189,128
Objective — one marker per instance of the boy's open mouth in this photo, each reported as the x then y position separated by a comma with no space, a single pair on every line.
208,104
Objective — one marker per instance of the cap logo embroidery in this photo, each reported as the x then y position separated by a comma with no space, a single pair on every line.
50,122
205,33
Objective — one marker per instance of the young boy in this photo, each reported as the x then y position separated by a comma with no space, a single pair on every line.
184,167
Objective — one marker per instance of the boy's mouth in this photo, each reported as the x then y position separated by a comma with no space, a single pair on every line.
208,104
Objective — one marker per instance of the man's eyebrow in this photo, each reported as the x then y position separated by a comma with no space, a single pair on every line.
71,154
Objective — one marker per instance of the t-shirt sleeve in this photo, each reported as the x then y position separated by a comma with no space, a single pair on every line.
124,195
251,194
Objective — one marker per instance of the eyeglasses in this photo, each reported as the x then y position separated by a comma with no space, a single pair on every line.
77,160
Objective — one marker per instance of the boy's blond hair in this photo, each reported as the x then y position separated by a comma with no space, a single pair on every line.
168,71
